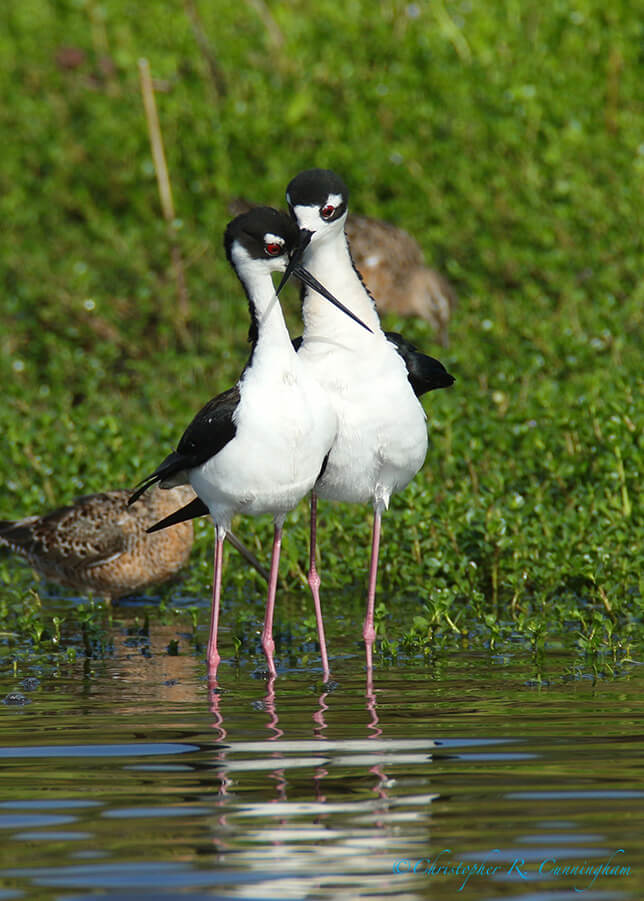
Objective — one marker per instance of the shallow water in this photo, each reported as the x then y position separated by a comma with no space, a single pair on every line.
134,778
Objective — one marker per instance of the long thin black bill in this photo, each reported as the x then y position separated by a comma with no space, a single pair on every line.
305,276
294,268
305,239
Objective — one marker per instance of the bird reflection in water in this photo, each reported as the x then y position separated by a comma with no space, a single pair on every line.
281,753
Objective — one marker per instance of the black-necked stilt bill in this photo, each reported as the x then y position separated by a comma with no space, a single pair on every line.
372,380
260,446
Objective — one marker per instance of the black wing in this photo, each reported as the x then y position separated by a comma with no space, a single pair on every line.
195,508
210,431
424,373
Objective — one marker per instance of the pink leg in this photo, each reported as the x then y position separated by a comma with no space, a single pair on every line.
314,585
212,655
368,631
267,633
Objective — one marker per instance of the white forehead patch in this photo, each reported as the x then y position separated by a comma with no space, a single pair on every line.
270,238
307,217
333,200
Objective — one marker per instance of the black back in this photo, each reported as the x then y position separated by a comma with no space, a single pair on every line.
210,431
424,373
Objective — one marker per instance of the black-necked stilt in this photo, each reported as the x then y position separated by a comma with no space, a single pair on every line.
372,380
98,544
391,264
260,446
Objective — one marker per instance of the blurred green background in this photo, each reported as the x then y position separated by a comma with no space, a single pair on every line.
506,137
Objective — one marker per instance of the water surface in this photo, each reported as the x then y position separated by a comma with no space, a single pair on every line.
134,776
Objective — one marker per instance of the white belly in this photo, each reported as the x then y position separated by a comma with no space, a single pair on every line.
285,428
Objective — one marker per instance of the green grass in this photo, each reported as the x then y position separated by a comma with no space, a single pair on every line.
506,137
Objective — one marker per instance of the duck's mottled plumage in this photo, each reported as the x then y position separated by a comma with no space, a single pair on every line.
99,544
393,269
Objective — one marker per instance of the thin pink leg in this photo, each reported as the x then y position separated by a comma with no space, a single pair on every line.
267,633
314,585
369,631
212,655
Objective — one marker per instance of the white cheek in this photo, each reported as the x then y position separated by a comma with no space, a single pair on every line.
240,256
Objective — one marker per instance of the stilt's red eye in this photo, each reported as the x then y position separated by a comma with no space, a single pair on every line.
327,211
273,250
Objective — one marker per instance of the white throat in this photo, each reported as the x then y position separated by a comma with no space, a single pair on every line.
328,259
256,277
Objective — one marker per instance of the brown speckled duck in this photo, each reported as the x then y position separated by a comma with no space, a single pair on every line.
99,544
393,269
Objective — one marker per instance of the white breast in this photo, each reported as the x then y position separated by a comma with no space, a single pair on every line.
382,433
285,428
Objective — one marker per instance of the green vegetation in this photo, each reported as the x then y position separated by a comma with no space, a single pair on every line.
506,137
